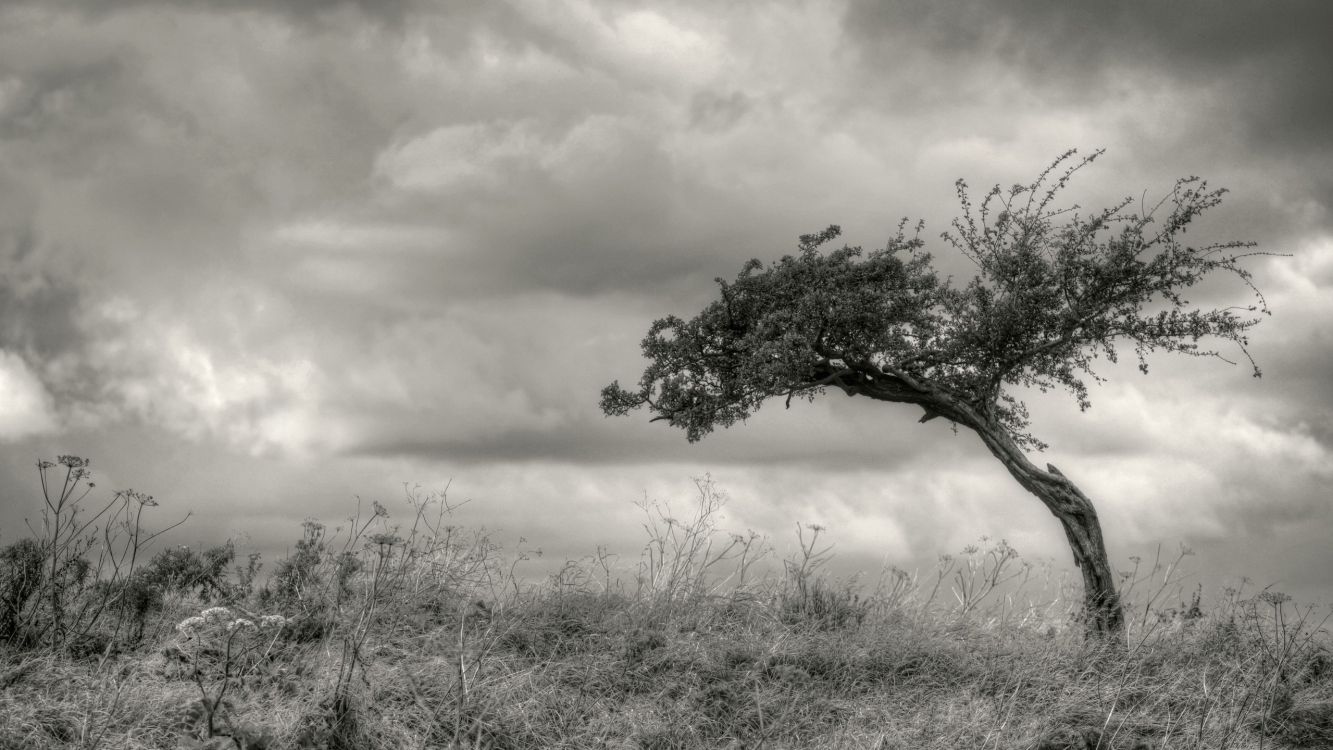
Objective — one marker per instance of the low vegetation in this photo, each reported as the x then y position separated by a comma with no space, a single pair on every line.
403,630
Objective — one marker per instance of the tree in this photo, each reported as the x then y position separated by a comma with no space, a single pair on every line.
1054,291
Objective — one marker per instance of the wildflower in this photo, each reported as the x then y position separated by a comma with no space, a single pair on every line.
1274,598
216,614
240,624
272,621
138,497
142,499
385,540
190,624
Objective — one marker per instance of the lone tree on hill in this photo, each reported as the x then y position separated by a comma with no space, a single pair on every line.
1054,291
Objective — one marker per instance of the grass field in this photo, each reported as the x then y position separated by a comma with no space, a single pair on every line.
414,633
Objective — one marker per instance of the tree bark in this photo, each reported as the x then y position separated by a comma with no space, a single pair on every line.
1105,617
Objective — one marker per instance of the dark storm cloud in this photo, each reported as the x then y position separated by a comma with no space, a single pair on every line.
37,304
396,238
1264,70
1278,52
387,11
57,105
59,94
37,318
595,207
713,110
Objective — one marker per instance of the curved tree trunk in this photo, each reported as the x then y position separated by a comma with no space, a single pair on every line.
1104,614
1101,601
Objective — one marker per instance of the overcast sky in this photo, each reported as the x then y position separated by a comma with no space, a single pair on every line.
260,258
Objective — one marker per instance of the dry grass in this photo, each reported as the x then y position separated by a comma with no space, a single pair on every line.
429,641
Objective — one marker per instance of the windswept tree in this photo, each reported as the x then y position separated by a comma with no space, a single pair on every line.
1055,290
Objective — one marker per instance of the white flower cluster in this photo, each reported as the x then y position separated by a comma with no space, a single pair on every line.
272,621
221,615
190,624
217,614
240,624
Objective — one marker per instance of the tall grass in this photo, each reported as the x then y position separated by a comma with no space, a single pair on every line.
401,629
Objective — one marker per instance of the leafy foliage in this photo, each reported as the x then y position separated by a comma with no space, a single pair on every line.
1054,291
181,569
20,578
298,572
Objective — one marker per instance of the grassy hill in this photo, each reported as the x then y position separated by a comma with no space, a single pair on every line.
415,633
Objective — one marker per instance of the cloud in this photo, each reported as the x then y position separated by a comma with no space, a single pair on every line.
1086,47
1196,465
1252,76
1294,349
412,239
335,235
194,375
391,12
27,408
459,156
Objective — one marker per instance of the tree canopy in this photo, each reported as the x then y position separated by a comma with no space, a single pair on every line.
1054,291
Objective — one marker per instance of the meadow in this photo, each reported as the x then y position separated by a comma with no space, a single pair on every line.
400,629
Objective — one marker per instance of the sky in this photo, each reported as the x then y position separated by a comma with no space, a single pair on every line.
262,259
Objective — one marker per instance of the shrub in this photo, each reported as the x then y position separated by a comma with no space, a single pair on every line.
297,574
20,578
